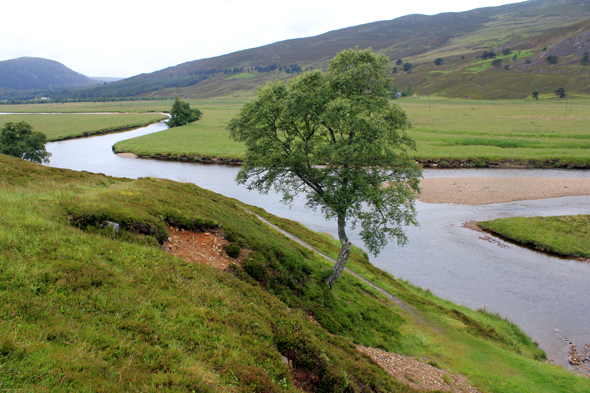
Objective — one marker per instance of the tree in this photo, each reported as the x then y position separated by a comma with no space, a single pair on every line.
536,95
506,51
585,60
399,62
439,61
488,55
560,92
335,138
408,67
181,114
409,89
497,62
552,59
19,140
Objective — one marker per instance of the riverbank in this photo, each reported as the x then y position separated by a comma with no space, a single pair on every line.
487,190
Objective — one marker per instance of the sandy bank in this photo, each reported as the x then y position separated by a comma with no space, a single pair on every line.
486,190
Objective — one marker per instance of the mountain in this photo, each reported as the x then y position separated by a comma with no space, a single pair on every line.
34,73
521,35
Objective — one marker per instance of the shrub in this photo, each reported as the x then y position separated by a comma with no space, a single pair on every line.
232,250
552,59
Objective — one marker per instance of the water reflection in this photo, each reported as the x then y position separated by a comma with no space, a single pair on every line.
538,292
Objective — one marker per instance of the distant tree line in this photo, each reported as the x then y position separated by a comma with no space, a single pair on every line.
291,68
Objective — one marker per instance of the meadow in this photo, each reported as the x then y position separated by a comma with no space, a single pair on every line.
544,133
566,236
60,126
86,309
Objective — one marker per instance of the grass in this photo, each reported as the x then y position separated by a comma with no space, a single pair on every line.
83,107
201,139
85,309
535,133
566,236
66,126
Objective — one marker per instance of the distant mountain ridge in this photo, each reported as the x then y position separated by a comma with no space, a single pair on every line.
534,28
522,36
34,73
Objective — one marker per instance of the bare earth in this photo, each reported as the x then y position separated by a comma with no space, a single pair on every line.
486,190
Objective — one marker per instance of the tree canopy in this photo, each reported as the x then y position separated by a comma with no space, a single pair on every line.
560,92
335,138
19,140
182,113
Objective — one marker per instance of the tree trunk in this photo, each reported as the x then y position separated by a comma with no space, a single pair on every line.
344,252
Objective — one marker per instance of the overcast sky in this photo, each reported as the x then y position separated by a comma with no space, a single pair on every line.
122,38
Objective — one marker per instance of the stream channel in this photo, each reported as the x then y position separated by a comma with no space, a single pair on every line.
545,295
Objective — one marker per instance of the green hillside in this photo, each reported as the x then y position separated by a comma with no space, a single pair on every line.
532,30
85,308
37,74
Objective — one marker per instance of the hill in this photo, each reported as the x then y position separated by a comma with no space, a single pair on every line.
532,30
87,307
34,73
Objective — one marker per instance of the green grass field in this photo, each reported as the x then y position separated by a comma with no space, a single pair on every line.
539,133
566,236
85,309
66,125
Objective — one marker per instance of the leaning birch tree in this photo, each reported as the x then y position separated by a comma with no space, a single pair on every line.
336,138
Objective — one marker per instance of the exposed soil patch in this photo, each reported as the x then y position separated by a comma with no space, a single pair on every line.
201,247
418,375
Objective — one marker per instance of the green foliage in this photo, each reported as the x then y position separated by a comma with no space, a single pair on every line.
19,140
506,51
567,236
560,92
359,139
232,250
182,114
536,95
399,62
439,61
585,59
552,59
496,63
408,67
488,55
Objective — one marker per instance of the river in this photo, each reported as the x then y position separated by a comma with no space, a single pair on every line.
546,296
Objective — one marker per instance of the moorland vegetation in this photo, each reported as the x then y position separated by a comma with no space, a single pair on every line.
85,308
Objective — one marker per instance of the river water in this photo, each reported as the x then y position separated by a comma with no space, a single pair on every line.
546,296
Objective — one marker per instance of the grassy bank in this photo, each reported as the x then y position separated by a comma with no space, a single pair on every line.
87,309
566,236
539,133
198,141
448,133
67,126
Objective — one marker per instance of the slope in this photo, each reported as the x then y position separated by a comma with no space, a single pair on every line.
88,308
34,73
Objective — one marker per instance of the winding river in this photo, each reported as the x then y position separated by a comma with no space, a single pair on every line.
546,296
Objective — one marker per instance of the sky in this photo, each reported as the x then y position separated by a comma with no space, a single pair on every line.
123,38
